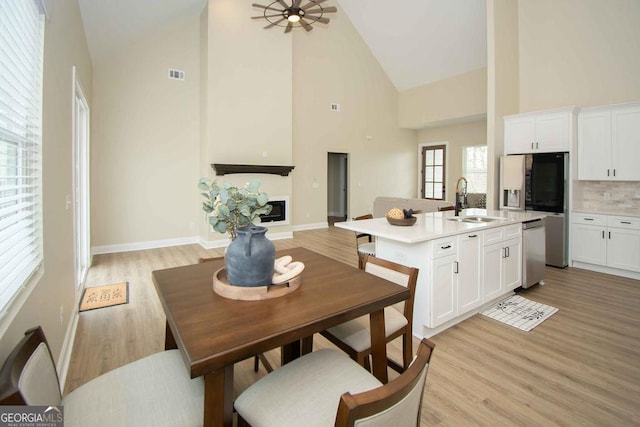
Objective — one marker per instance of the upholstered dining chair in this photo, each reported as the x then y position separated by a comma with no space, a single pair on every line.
354,337
366,247
326,388
258,357
152,391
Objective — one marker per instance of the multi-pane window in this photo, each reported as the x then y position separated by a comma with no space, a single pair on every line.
21,45
474,168
433,172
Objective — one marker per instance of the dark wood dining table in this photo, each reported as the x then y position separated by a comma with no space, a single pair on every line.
213,332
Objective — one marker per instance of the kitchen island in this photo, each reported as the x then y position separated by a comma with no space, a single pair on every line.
466,262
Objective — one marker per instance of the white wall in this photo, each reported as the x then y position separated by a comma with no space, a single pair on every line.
578,52
42,301
333,64
145,140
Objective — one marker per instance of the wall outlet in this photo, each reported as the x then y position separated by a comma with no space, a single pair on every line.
335,107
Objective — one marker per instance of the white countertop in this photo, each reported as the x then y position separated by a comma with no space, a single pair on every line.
435,225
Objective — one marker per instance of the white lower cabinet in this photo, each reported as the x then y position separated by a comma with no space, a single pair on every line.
501,261
606,241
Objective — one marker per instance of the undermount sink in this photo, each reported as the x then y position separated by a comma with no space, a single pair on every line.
474,219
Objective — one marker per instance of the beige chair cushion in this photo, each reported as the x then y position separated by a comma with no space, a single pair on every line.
153,391
305,392
38,382
402,414
356,333
368,248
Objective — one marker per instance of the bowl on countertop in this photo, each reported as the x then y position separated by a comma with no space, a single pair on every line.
403,221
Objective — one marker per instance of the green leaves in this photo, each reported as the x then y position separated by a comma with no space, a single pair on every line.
228,207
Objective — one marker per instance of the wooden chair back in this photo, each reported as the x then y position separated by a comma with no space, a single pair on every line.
396,403
446,208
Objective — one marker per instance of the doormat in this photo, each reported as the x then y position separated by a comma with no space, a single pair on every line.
520,312
105,296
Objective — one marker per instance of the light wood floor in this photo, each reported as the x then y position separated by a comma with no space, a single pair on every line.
580,367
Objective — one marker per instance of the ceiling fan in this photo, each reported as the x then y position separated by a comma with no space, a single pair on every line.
281,14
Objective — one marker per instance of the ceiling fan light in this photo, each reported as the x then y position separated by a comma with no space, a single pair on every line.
293,18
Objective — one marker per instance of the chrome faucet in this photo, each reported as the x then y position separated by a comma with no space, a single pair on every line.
461,195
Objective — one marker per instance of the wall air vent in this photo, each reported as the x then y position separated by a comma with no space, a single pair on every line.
176,74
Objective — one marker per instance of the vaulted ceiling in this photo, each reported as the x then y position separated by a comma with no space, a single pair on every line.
415,41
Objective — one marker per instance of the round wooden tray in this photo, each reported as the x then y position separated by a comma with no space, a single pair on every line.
222,287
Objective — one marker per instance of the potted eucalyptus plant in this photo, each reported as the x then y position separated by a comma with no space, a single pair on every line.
250,257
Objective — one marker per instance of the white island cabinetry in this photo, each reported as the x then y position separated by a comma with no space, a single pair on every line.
464,264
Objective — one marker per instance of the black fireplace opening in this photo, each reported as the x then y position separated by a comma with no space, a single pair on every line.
278,212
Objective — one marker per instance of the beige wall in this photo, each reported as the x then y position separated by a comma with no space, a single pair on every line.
333,64
502,84
461,96
64,47
457,136
578,52
249,99
145,146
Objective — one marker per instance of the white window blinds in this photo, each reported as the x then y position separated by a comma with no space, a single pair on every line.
21,46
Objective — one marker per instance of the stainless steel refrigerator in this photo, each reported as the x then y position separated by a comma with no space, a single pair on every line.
539,182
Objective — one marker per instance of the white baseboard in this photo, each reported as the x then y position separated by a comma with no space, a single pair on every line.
64,359
607,270
315,226
138,246
223,243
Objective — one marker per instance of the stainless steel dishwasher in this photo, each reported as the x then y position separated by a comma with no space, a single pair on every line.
533,252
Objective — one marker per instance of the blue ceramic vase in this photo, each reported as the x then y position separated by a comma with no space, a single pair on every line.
250,257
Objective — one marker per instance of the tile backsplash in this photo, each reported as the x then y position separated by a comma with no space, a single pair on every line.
606,194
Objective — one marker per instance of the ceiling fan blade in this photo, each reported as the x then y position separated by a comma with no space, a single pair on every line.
266,16
296,3
283,4
329,9
275,23
265,7
305,25
289,27
311,4
318,19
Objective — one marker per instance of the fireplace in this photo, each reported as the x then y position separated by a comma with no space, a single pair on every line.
279,212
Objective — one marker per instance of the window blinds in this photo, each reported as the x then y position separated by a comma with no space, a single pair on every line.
21,50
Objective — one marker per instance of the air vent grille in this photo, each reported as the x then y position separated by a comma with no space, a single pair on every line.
176,74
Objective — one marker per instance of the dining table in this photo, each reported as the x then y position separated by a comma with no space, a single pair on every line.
213,333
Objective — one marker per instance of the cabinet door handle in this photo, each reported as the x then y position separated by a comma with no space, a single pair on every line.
588,219
609,235
607,172
445,247
537,146
625,222
532,145
471,236
455,265
508,251
614,172
504,252
603,234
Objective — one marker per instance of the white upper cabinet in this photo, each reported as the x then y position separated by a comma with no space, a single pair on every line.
541,132
609,143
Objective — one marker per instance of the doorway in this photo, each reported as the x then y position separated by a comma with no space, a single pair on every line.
82,248
337,187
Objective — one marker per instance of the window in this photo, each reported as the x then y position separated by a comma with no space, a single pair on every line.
474,168
433,171
21,45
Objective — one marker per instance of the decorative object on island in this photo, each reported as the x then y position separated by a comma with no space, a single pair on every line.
398,216
236,211
280,14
